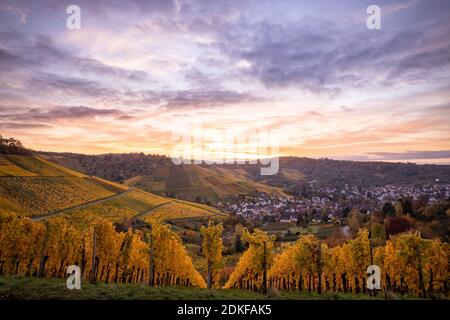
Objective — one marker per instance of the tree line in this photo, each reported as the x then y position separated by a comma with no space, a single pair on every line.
45,249
409,264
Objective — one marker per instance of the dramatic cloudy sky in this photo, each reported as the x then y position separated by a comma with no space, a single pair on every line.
139,71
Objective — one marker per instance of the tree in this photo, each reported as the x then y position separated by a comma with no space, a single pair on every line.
250,271
355,220
406,206
395,225
359,257
398,209
378,234
388,210
411,250
237,241
212,249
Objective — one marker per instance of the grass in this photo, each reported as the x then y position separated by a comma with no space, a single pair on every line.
28,288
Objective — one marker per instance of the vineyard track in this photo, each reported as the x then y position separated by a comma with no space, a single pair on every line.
215,212
192,218
146,212
82,205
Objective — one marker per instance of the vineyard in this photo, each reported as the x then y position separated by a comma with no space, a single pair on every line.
179,210
103,254
125,207
34,196
14,165
32,186
156,256
408,263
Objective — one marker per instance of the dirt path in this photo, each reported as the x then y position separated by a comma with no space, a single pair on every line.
146,212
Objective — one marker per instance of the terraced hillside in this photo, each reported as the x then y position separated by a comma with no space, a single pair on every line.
32,186
157,174
193,182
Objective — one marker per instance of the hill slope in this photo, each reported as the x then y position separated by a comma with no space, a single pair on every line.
32,186
159,175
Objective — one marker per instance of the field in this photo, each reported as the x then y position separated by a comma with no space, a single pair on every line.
28,288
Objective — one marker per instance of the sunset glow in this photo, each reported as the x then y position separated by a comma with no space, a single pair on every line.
138,72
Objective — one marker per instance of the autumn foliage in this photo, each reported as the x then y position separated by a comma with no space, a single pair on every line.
48,248
409,264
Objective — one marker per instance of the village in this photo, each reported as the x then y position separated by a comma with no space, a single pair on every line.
330,204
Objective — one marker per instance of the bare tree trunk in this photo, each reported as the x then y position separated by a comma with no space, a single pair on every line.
209,276
151,273
94,255
319,270
44,256
264,265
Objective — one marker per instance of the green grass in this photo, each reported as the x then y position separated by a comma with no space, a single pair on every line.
28,288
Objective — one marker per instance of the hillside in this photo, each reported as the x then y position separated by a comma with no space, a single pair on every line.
32,186
204,183
298,171
157,174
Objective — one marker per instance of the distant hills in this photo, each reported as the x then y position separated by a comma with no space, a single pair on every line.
296,171
209,183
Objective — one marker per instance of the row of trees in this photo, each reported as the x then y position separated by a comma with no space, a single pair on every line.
408,263
251,270
156,256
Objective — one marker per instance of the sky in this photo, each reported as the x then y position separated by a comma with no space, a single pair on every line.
138,75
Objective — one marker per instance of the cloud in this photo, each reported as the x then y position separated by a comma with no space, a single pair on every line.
9,61
411,155
191,99
421,156
21,125
104,9
38,52
148,63
323,56
62,113
206,99
45,83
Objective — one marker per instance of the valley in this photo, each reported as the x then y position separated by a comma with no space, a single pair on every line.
172,205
